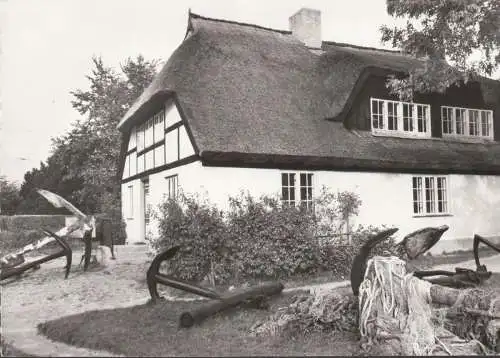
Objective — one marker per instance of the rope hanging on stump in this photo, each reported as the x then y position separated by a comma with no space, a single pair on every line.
395,312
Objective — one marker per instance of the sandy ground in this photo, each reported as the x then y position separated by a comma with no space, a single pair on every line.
44,294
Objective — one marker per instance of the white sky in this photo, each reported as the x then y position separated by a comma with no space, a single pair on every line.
47,46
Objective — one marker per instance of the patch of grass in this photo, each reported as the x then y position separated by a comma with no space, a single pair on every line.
152,330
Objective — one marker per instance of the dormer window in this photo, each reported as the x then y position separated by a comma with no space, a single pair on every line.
466,122
400,119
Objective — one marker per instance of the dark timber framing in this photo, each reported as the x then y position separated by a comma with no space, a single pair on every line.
178,163
144,113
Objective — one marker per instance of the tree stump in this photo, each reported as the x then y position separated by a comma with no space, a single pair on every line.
397,315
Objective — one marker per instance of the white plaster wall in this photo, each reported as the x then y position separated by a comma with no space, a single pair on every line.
386,198
189,180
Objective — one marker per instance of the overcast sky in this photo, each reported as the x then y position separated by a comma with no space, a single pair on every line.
47,46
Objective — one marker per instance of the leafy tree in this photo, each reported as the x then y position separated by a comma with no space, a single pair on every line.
460,39
109,97
83,163
9,197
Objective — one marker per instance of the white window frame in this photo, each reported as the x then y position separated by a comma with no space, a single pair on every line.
466,122
172,186
399,131
297,189
430,194
289,188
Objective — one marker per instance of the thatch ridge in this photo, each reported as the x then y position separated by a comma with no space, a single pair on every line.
197,16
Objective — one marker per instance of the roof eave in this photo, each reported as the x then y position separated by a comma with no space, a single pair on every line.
302,162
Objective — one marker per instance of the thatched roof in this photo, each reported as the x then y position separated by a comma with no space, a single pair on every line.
250,92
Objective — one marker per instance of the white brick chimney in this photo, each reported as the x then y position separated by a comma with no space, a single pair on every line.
305,25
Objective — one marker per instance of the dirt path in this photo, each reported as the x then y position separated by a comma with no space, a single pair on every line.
45,295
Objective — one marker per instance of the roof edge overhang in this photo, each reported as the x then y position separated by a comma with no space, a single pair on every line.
301,162
147,109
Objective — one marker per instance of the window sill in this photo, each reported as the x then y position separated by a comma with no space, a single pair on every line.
396,134
467,138
430,215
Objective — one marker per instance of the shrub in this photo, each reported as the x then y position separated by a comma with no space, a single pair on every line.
270,240
31,222
256,238
338,257
198,227
14,240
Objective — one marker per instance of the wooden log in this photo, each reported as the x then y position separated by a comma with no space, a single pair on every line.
444,295
188,319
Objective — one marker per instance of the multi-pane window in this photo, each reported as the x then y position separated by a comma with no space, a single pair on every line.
147,204
172,186
467,122
474,122
306,190
288,188
293,194
442,195
400,118
430,195
418,206
392,116
377,114
460,120
407,117
422,117
447,118
486,123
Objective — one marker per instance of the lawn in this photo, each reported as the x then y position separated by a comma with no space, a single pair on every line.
152,330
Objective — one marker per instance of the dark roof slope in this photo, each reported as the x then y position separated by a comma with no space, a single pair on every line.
246,89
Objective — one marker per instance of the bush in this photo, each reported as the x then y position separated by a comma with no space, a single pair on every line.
256,238
14,240
31,222
270,240
338,257
198,227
